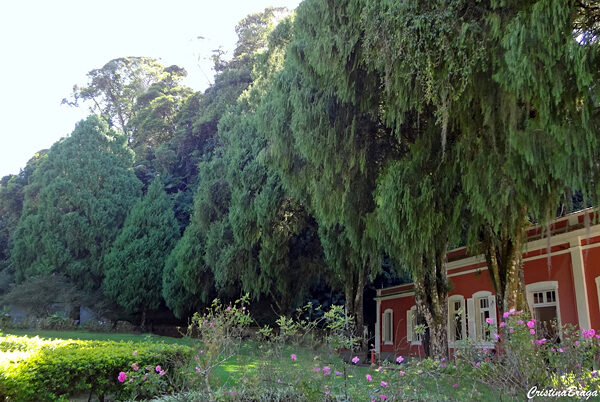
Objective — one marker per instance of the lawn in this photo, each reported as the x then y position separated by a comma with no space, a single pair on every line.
315,373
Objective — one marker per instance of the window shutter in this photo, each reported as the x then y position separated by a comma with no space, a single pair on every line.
409,329
493,314
450,325
471,318
463,322
391,324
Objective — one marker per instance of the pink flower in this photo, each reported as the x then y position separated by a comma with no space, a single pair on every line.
477,364
506,314
368,377
135,367
144,378
278,381
531,323
294,358
489,320
161,372
520,322
135,352
158,369
355,359
198,369
576,343
561,350
496,336
402,373
338,372
326,370
443,365
327,393
383,397
502,324
512,311
532,331
455,385
244,308
485,350
511,330
443,359
383,384
317,369
541,341
122,377
228,308
399,359
212,324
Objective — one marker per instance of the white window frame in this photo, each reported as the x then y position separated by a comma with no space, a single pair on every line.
597,289
545,286
411,320
387,327
451,319
475,323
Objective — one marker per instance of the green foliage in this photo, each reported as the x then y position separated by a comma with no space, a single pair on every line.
134,266
114,89
41,370
75,205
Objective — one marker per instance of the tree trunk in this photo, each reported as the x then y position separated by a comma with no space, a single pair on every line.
431,295
503,254
143,324
354,290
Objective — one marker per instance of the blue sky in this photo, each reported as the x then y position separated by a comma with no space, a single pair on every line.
48,46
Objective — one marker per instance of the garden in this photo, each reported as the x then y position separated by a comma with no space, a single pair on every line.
224,356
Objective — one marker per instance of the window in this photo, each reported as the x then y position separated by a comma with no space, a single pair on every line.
412,334
543,300
481,310
387,327
457,325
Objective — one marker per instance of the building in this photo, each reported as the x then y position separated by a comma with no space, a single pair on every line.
562,278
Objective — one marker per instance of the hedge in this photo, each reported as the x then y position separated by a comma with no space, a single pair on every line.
39,369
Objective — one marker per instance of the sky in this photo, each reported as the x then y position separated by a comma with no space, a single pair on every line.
46,47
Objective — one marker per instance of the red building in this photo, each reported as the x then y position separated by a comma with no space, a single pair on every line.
562,278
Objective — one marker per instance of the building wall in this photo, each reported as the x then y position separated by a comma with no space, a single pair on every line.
573,262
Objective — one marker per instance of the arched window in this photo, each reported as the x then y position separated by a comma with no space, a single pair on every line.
413,336
387,326
543,302
457,323
481,311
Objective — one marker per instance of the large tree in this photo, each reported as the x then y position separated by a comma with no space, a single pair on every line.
75,205
515,84
134,266
327,142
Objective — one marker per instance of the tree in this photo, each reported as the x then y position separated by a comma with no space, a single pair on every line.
517,90
325,140
75,205
114,88
134,266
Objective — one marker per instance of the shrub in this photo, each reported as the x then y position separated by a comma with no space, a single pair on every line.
51,369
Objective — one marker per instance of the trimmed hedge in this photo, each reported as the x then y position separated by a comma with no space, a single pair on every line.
39,369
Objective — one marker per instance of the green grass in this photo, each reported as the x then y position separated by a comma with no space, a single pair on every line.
97,336
257,362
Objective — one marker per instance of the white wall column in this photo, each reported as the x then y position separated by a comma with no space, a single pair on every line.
377,326
581,295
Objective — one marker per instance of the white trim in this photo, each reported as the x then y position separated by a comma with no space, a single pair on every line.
394,296
579,282
598,288
470,271
540,287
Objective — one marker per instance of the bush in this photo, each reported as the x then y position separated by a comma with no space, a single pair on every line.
36,369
